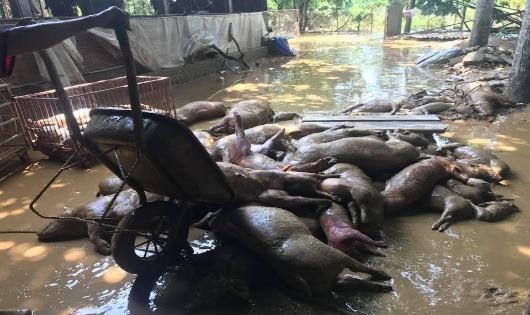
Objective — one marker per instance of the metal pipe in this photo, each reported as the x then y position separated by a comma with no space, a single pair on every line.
130,70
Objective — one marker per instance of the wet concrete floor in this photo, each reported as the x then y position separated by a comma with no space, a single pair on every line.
475,267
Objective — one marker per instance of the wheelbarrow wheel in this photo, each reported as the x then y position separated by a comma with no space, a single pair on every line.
154,236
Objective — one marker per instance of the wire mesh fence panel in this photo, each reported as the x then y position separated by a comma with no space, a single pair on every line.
283,21
11,135
45,125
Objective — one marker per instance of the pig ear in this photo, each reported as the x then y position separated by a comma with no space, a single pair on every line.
458,173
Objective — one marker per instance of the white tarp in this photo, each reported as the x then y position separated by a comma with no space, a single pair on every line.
67,61
164,42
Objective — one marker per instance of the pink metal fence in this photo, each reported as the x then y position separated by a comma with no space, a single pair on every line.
45,126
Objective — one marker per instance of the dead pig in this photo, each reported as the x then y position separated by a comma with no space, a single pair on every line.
416,180
283,116
109,186
475,194
434,99
365,202
248,188
455,208
452,206
260,134
378,105
432,108
296,183
474,156
66,229
252,112
416,139
343,235
205,138
280,238
240,153
200,111
367,153
336,134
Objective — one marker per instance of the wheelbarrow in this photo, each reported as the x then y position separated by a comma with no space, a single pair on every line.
152,153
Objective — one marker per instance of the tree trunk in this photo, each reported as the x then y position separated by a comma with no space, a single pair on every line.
306,18
408,21
518,87
371,20
302,12
482,23
463,18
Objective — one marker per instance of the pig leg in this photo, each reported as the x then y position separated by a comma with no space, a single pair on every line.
348,282
395,108
354,214
452,213
365,249
313,167
356,266
95,235
241,148
220,127
281,199
340,233
266,147
351,108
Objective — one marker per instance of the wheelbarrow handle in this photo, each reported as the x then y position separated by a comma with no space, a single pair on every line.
130,70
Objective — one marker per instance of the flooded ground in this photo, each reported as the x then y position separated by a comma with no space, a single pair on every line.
475,267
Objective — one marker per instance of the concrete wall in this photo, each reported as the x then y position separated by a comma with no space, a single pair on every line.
202,68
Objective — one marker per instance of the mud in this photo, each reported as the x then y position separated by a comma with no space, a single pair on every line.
474,267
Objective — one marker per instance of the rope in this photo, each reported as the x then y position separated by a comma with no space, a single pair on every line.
224,89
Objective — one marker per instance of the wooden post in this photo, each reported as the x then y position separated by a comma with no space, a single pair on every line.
393,19
463,17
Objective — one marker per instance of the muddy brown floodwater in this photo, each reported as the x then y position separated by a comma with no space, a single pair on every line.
475,267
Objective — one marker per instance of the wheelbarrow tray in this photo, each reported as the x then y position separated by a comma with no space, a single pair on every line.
173,162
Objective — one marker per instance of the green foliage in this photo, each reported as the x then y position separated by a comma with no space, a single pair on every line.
281,4
437,7
139,7
62,7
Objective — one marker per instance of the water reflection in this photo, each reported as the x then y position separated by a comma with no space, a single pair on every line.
442,273
329,73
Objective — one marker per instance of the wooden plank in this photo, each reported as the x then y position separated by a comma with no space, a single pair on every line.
424,127
363,118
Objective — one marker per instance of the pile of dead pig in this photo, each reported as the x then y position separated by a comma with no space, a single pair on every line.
480,100
480,75
312,201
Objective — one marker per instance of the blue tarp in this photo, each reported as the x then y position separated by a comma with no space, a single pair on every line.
280,46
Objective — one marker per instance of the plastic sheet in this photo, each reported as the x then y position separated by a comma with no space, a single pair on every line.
164,42
67,60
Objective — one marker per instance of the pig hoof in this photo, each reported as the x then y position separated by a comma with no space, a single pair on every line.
382,288
103,248
378,274
330,160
